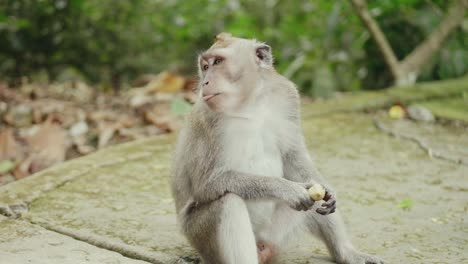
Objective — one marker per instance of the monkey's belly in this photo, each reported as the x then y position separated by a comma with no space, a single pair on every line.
260,213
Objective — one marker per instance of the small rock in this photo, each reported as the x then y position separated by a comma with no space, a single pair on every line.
420,113
79,129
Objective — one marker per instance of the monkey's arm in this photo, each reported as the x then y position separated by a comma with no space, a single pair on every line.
249,187
299,166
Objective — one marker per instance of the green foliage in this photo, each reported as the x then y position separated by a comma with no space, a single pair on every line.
6,165
320,44
180,107
406,204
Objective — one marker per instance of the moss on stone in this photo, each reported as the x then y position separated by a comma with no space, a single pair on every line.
370,100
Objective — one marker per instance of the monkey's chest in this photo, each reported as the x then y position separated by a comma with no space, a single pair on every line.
255,152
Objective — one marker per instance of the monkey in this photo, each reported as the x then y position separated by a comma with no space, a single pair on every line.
241,168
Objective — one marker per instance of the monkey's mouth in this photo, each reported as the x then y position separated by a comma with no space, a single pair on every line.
209,96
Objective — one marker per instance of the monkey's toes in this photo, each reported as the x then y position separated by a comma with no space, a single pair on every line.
356,257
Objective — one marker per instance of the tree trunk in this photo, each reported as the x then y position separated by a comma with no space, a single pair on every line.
407,71
384,47
413,63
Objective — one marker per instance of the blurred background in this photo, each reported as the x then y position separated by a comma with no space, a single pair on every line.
78,75
111,43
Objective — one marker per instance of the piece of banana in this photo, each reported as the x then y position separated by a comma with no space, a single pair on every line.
317,192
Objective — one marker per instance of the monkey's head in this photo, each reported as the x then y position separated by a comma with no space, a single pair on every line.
231,72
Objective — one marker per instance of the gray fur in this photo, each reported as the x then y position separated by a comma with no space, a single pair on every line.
203,188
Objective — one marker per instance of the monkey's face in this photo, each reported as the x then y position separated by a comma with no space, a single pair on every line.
230,73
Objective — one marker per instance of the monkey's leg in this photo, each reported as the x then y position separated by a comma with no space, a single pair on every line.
331,229
285,222
221,231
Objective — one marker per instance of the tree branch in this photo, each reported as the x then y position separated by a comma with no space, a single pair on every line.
424,51
407,71
384,47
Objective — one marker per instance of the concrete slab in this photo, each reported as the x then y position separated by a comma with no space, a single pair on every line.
124,204
22,242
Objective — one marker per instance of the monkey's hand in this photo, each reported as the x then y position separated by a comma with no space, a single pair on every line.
329,206
298,196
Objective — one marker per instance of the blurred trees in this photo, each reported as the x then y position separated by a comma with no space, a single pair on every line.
320,44
405,72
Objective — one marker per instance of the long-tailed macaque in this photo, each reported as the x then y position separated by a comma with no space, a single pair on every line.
241,168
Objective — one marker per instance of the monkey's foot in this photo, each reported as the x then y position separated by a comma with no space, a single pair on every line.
356,257
265,252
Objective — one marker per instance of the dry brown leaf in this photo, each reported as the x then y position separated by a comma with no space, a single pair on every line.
143,80
23,168
9,147
47,146
190,85
160,116
126,121
166,82
80,143
106,132
37,116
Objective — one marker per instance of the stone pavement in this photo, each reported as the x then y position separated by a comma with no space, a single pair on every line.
399,200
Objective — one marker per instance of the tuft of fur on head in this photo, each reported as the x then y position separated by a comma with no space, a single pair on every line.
223,40
262,50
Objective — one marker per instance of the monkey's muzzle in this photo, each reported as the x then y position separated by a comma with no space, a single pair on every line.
209,96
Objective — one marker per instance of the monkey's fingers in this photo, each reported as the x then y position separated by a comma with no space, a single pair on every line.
325,211
328,196
329,203
306,205
327,207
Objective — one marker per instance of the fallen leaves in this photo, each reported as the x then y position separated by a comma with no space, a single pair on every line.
47,146
42,125
9,147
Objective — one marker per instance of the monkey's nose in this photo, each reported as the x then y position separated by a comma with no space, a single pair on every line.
206,83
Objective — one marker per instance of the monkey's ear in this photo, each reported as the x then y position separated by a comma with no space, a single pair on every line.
264,56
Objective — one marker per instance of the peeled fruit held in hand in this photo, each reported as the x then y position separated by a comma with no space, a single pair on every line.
317,192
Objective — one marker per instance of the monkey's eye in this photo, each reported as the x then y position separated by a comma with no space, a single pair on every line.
205,67
217,61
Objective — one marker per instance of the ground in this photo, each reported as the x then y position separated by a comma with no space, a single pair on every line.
402,187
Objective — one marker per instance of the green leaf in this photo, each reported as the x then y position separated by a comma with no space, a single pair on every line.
6,166
406,204
180,107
